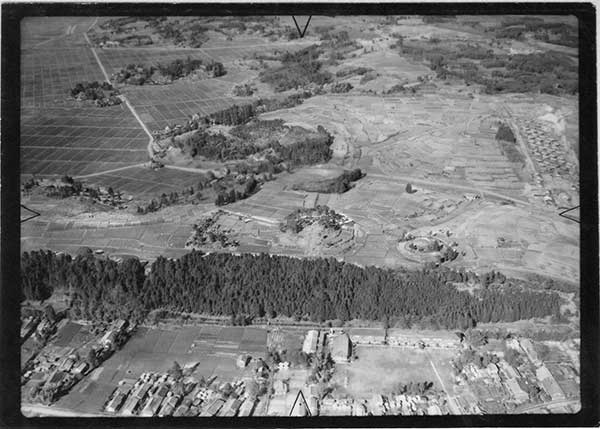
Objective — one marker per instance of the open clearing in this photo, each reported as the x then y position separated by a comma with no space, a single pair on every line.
379,369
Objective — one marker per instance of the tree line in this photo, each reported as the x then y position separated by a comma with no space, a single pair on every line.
259,285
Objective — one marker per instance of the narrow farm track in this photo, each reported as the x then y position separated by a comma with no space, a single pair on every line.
129,106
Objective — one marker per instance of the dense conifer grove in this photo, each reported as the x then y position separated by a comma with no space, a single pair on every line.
322,289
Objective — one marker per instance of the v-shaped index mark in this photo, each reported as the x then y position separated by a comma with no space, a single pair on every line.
298,27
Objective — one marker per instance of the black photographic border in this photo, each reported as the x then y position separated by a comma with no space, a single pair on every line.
10,193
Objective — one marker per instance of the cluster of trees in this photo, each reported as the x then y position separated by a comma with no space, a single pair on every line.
243,90
234,115
339,184
505,133
95,91
225,284
215,146
352,71
180,68
471,356
559,33
155,204
548,72
301,218
341,87
507,141
248,140
207,231
68,187
138,74
231,195
308,151
413,388
298,69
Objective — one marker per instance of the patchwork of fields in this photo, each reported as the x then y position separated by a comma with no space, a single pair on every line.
80,140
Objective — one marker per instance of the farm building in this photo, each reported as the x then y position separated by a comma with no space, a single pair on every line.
246,408
341,348
519,394
549,383
367,335
81,368
213,408
310,342
115,403
527,346
130,406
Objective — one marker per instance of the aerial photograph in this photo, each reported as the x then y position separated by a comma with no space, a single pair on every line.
353,215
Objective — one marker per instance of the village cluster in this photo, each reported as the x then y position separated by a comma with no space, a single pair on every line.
50,371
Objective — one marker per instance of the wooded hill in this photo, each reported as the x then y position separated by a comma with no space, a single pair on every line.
259,285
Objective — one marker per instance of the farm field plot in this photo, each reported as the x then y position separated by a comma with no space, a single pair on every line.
53,32
146,183
47,74
162,105
379,369
80,141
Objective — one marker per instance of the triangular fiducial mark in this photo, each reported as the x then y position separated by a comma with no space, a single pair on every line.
301,32
33,215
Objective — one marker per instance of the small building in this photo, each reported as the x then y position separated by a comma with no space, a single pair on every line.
115,403
280,387
242,361
247,408
81,368
519,394
130,406
283,366
213,408
341,348
152,407
231,407
310,342
529,349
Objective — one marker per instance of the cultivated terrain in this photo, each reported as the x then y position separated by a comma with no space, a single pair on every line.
406,175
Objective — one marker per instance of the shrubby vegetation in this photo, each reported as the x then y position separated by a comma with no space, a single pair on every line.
138,74
339,184
505,133
558,33
301,218
308,147
298,69
549,72
225,284
188,195
95,91
67,187
243,90
352,71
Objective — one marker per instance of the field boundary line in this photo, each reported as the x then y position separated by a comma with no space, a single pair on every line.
100,173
